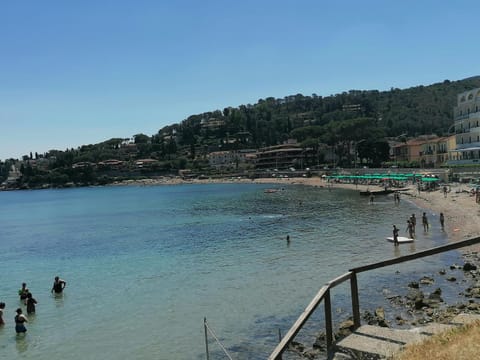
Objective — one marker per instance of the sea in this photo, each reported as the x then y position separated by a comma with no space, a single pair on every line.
146,265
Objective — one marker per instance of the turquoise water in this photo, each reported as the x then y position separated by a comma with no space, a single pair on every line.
145,265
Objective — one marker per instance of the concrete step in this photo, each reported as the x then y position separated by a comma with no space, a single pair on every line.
464,319
377,342
374,342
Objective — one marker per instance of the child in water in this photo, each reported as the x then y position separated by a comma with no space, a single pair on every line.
20,320
30,302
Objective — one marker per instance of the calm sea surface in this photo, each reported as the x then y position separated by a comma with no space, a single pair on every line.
145,265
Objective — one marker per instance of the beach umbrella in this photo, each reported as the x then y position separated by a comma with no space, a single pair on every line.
429,179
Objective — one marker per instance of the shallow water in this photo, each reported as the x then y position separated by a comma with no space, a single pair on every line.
145,265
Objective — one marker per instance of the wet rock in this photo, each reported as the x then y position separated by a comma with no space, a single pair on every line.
345,328
413,285
455,267
414,294
442,272
452,278
321,342
469,267
296,346
426,280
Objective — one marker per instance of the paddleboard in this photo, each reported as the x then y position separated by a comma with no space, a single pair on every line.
401,239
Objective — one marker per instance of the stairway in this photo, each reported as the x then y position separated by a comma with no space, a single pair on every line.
374,342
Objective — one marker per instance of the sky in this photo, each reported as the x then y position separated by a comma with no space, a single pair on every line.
74,73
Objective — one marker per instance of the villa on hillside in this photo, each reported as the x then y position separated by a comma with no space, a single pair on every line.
467,129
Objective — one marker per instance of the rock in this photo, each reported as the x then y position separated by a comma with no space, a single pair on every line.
296,346
442,272
413,285
380,313
426,280
469,267
345,328
455,266
321,342
452,278
414,294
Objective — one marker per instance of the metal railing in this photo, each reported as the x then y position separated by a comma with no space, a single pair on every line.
208,329
324,295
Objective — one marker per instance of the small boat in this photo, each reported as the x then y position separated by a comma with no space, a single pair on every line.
269,191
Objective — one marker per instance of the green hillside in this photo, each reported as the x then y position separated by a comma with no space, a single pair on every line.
364,117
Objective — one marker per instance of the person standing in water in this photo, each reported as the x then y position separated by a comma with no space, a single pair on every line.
20,320
410,229
413,220
58,285
395,235
23,292
425,222
2,307
30,302
442,221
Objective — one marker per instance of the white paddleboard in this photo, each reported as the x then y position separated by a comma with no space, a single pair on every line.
401,239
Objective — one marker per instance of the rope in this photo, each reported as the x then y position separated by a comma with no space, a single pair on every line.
216,339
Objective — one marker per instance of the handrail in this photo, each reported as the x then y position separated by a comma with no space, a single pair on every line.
417,255
324,294
297,326
208,329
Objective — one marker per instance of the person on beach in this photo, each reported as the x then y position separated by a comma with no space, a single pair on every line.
425,222
58,285
372,198
445,191
30,302
413,220
288,239
2,307
410,229
20,321
395,235
23,292
442,221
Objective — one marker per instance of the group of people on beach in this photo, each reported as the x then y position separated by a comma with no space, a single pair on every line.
411,225
27,299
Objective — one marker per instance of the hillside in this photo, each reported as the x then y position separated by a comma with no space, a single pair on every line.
365,117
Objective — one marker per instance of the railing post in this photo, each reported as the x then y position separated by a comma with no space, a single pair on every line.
355,301
206,337
328,321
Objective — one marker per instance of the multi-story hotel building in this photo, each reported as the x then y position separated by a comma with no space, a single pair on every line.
467,128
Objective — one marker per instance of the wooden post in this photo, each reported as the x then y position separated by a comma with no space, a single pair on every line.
328,321
355,301
206,337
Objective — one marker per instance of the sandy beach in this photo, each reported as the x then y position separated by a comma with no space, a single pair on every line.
462,213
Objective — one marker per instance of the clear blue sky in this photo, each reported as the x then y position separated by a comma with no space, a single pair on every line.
81,72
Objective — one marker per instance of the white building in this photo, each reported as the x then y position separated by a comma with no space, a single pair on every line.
467,128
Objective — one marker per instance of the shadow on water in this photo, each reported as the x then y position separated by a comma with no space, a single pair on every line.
21,343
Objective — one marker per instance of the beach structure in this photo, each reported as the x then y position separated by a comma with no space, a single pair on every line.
467,129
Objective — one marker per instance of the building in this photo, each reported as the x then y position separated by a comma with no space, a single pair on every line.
425,151
224,159
467,129
435,151
409,151
280,156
